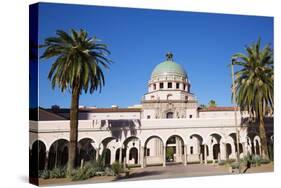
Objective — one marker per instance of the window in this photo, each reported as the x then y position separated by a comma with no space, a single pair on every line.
190,116
154,86
169,115
148,117
178,85
170,85
161,85
184,86
191,149
147,152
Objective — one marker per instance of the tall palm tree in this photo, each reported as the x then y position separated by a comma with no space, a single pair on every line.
254,85
77,67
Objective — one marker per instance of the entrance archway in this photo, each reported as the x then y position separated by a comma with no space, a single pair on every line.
107,157
215,140
174,149
58,154
154,151
37,157
133,155
170,115
196,148
233,136
117,155
86,151
228,150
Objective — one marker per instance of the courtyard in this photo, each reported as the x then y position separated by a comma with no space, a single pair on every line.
159,172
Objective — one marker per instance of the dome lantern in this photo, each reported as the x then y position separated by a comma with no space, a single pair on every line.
168,68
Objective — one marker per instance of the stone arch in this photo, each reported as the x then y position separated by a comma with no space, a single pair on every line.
228,150
107,157
94,143
103,144
127,145
257,145
154,150
198,136
134,155
251,144
233,136
103,149
215,141
174,148
86,150
199,150
58,153
37,157
41,140
218,136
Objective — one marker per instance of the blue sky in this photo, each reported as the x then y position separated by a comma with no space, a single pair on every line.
139,39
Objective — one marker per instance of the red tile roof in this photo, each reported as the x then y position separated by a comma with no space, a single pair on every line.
217,108
98,110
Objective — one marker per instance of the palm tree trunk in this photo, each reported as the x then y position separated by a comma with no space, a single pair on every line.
73,130
264,152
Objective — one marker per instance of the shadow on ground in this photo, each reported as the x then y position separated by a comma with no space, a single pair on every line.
139,174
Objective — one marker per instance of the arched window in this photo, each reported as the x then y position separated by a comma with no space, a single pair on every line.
169,115
170,85
154,86
161,85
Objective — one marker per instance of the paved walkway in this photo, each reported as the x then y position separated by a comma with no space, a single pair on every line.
159,172
174,171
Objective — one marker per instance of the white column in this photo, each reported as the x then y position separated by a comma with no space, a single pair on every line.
46,160
211,153
223,151
97,153
141,157
164,155
127,155
245,149
112,156
205,153
120,155
185,153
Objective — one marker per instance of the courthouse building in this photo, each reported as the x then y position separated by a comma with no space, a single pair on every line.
168,126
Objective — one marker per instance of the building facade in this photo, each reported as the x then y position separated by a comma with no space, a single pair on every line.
167,127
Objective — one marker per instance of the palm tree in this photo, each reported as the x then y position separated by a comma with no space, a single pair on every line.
212,103
254,85
77,67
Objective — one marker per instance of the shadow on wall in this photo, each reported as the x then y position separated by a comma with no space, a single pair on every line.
121,128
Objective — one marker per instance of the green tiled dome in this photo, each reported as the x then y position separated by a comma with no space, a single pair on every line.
168,67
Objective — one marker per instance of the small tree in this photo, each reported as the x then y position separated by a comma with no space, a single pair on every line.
212,103
169,153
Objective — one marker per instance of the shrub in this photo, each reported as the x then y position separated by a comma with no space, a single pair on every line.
58,173
264,161
109,172
98,164
221,163
79,175
90,170
116,168
235,165
133,165
45,174
256,160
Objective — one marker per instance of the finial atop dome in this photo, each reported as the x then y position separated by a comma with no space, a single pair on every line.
169,56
